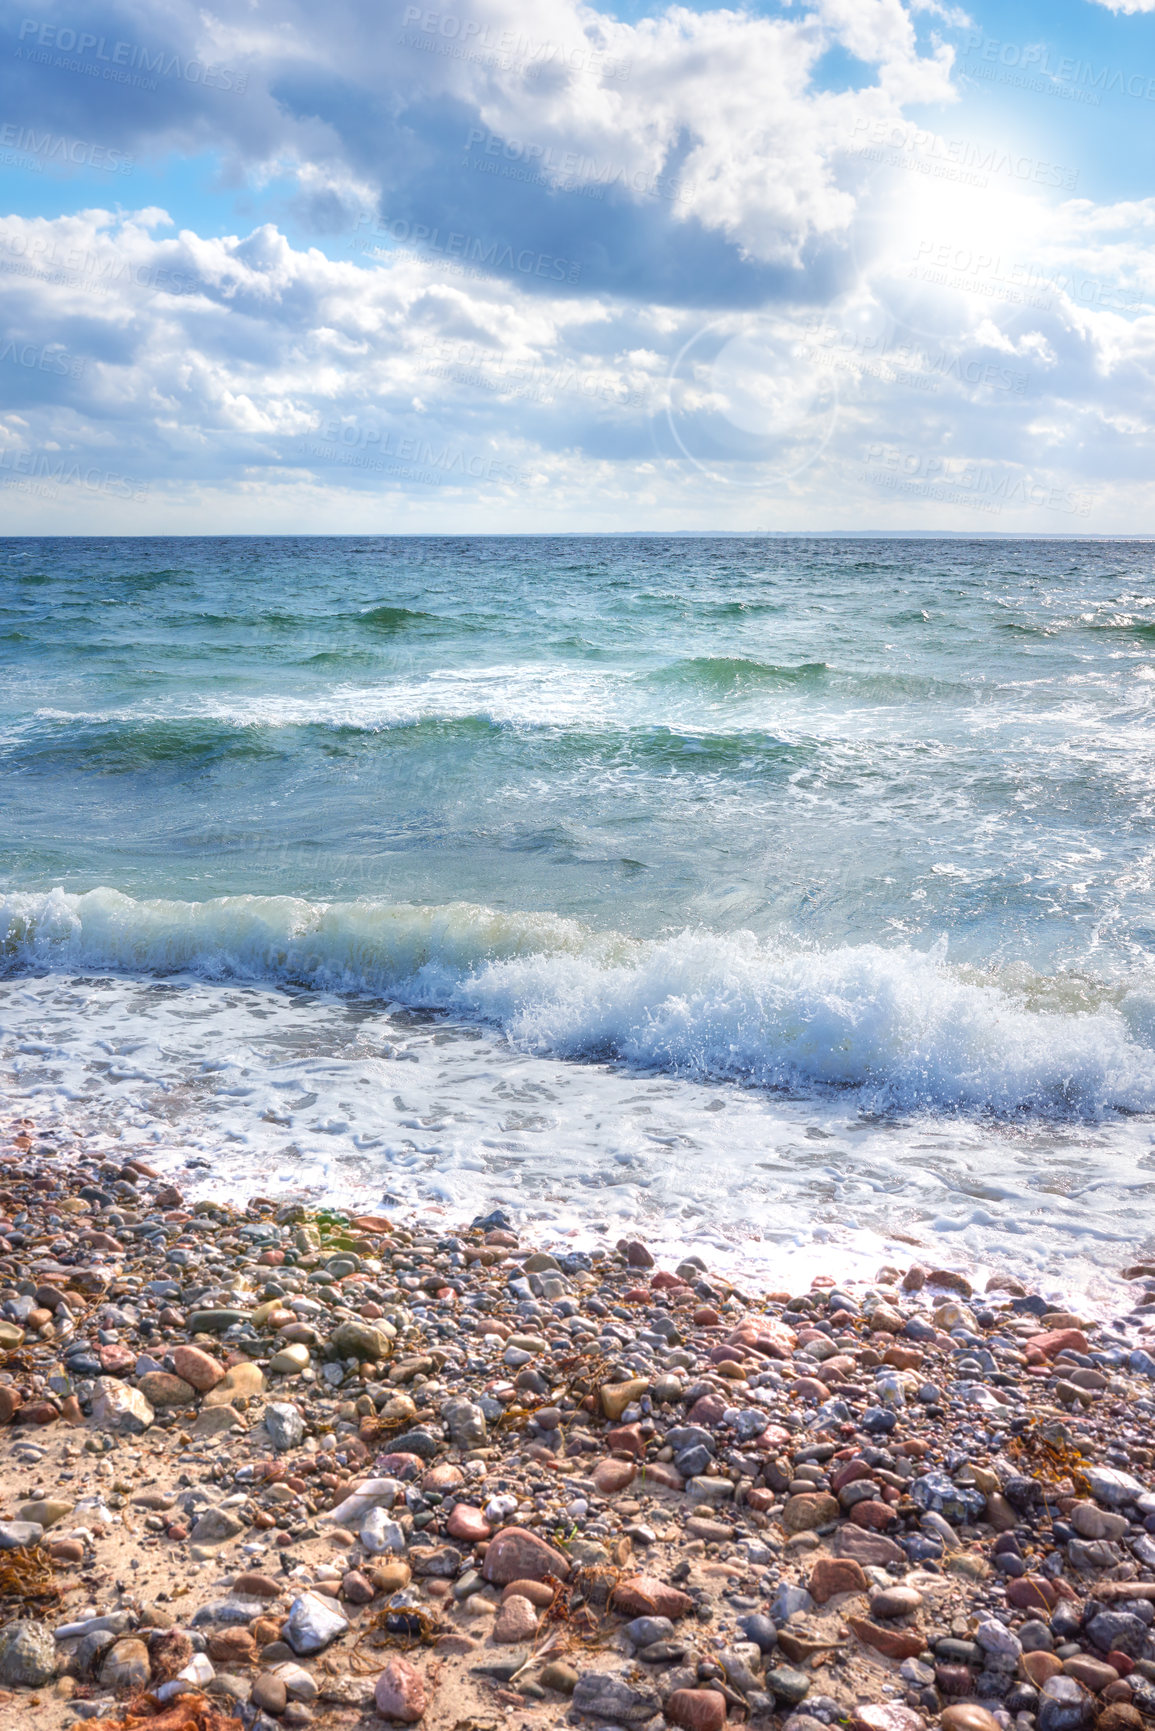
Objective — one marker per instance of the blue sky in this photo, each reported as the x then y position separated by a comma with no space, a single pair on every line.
839,264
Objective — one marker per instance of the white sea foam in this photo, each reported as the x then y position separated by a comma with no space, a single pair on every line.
898,1024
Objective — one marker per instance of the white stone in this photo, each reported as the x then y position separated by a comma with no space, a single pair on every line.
378,1533
372,1494
313,1623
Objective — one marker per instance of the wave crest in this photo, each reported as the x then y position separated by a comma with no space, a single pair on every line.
899,1025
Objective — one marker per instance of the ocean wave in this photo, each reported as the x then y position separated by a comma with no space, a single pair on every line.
901,1027
729,673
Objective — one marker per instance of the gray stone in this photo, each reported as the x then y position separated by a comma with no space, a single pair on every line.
284,1424
1063,1705
937,1493
362,1341
788,1685
996,1639
27,1655
216,1527
117,1406
16,1533
1035,1637
1118,1631
378,1534
789,1602
313,1623
214,1321
300,1684
1114,1488
466,1421
644,1631
229,1613
90,1650
126,1665
416,1442
603,1696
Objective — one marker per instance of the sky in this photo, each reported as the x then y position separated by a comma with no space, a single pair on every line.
372,267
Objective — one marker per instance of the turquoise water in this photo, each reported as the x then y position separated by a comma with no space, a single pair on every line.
854,832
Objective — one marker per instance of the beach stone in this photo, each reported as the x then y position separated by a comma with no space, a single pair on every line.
290,1360
119,1407
269,1693
612,1476
885,1716
216,1421
1063,1705
896,1602
968,1716
1092,1522
697,1709
253,1585
379,1534
126,1666
833,1575
466,1421
214,1321
515,1622
519,1555
232,1647
617,1396
216,1527
162,1390
1118,1631
606,1697
197,1368
468,1524
11,1336
356,1588
9,1404
788,1685
646,1596
869,1549
560,1677
15,1534
1039,1666
285,1426
644,1631
240,1382
300,1685
314,1622
399,1694
1110,1486
1031,1593
360,1340
893,1643
43,1512
27,1654
804,1512
1096,1674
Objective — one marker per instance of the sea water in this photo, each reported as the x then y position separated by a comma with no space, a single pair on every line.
790,897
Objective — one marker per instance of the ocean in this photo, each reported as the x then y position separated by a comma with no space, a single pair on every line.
792,898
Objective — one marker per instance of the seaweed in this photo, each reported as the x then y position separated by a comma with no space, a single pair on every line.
28,1586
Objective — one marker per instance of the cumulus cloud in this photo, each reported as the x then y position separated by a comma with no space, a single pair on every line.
573,269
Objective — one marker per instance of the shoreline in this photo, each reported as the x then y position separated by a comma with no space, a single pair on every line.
288,1467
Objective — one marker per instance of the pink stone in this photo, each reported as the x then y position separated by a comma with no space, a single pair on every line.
516,1621
646,1596
516,1554
468,1523
613,1475
197,1367
879,1717
400,1692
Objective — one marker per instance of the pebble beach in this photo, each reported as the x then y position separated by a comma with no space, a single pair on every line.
265,1464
